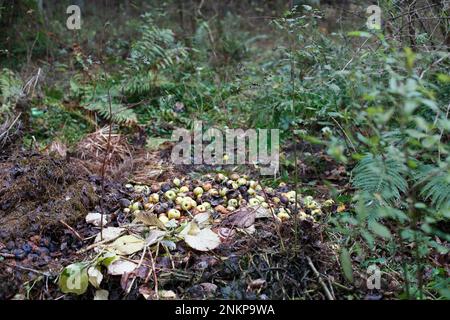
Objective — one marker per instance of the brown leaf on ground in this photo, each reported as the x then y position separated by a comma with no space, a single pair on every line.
147,293
225,233
149,218
242,218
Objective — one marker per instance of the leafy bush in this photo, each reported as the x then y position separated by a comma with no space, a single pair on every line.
383,110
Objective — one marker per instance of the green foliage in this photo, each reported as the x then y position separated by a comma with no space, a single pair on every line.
346,264
401,176
380,110
144,80
154,52
55,120
74,279
100,99
380,176
436,185
10,90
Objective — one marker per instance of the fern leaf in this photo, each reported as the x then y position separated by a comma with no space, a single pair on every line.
153,53
380,177
10,90
120,114
436,185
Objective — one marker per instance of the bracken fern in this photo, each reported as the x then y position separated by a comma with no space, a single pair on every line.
381,176
10,90
436,185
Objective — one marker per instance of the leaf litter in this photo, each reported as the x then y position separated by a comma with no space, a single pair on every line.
152,244
171,222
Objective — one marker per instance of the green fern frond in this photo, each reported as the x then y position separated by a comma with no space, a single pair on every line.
155,51
97,99
140,84
380,177
120,114
436,185
10,90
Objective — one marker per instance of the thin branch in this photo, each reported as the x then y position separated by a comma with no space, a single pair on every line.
72,230
317,274
103,170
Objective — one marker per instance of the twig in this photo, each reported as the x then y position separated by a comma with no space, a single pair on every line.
5,133
138,266
25,268
337,284
7,255
412,11
155,278
433,65
96,244
325,288
73,230
345,133
354,55
31,84
102,200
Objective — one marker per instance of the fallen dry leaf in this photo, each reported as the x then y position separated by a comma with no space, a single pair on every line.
147,293
127,245
109,234
242,218
119,267
226,233
261,212
150,219
95,219
95,276
256,284
167,294
202,219
205,240
155,236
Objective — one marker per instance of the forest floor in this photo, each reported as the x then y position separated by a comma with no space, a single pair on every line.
88,213
46,196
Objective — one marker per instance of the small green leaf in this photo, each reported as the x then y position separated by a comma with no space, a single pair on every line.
107,258
410,58
369,238
35,112
74,279
346,264
379,229
361,34
444,78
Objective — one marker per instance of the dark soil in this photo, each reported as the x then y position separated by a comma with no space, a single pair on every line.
37,191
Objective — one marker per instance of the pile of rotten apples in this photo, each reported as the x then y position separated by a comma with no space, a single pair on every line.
182,199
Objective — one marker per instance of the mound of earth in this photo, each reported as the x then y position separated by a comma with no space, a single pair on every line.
37,192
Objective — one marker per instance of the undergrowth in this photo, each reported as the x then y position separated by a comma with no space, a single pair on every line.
370,102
